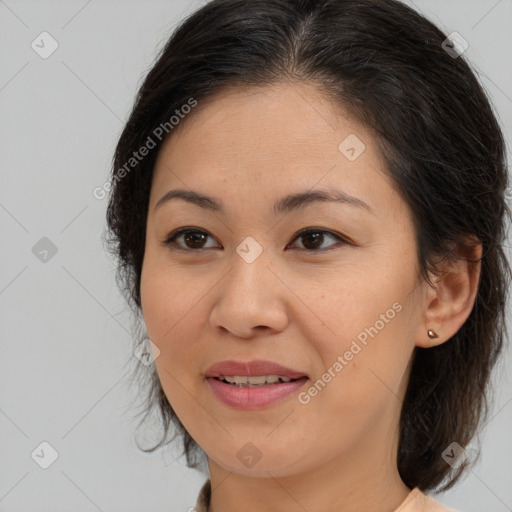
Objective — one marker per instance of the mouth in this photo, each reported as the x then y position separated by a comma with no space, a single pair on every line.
253,385
254,382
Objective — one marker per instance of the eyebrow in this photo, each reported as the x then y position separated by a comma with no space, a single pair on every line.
284,205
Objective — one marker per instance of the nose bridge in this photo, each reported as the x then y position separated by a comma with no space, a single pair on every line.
248,296
250,275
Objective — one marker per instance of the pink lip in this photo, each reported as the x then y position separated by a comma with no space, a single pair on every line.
252,398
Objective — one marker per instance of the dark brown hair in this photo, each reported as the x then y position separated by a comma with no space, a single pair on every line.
386,65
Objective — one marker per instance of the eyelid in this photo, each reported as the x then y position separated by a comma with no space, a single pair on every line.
343,240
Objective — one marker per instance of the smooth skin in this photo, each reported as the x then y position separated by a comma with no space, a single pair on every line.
301,302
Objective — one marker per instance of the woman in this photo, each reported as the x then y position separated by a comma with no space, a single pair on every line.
308,207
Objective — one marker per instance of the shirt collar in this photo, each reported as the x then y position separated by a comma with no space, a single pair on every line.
416,501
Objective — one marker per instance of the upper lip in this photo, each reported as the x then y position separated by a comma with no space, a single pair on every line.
251,369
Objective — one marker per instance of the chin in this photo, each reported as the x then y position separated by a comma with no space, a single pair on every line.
249,460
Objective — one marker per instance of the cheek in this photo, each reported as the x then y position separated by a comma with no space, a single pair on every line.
172,314
366,342
347,309
173,305
167,300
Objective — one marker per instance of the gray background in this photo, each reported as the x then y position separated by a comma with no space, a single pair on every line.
64,327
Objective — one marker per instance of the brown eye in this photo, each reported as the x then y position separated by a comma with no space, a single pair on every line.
314,238
193,239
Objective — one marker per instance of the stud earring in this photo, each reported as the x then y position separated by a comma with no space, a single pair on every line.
432,334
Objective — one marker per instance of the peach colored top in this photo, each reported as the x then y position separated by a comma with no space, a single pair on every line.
416,501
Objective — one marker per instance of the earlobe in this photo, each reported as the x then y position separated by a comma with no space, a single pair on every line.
449,304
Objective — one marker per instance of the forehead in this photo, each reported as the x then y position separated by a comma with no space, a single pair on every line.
265,142
278,120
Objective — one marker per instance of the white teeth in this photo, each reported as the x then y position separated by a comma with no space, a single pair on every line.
258,380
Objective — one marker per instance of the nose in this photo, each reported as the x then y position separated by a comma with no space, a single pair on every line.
250,300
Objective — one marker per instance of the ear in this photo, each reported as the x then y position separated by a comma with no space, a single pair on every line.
448,305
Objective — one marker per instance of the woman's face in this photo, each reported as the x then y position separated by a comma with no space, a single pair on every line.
341,306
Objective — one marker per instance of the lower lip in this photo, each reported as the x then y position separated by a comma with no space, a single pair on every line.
253,398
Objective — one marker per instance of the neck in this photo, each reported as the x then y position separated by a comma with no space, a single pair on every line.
365,479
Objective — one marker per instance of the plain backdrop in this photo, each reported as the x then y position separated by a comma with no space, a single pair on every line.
65,330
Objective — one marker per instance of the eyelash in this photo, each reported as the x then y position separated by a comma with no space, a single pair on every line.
170,240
